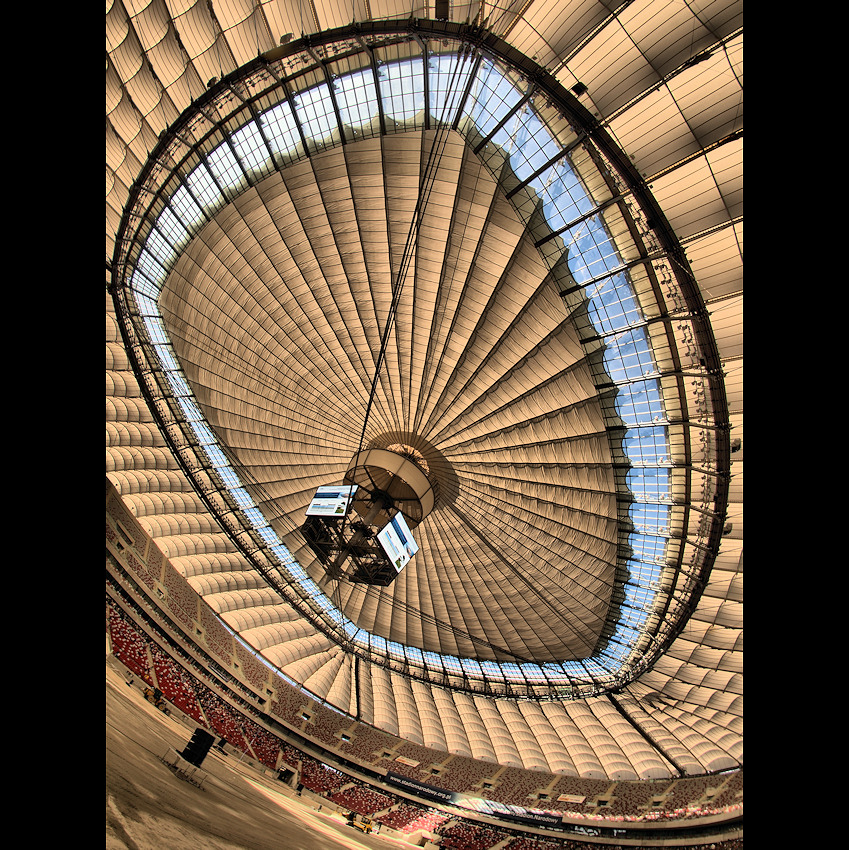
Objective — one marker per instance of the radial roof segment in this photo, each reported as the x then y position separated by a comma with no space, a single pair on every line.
506,246
485,375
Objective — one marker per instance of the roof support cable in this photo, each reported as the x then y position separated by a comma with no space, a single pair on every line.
425,187
426,183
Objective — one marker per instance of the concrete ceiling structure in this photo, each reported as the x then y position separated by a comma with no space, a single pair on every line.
503,240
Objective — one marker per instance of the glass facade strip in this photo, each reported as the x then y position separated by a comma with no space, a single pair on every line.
252,150
628,356
202,186
452,664
650,518
141,284
491,670
179,387
639,599
650,483
643,574
434,661
145,305
172,229
395,650
187,210
639,402
414,655
448,76
357,99
647,547
530,145
228,172
281,130
512,673
471,668
161,249
595,666
618,647
402,91
317,117
156,330
563,197
612,304
534,674
150,267
494,98
255,517
591,253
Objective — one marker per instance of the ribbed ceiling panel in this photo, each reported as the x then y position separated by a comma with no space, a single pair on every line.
483,365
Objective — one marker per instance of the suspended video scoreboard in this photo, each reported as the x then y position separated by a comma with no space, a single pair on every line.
332,501
348,545
397,541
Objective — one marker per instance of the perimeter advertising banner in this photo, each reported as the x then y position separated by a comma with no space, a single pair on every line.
540,818
420,788
517,814
476,804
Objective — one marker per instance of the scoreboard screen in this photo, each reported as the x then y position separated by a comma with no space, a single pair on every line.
397,541
331,500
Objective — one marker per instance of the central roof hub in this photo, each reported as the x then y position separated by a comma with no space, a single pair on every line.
387,475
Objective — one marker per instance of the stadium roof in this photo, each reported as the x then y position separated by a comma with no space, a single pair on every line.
505,241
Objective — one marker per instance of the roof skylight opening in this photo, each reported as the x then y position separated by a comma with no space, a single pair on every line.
281,130
357,98
402,89
315,112
448,76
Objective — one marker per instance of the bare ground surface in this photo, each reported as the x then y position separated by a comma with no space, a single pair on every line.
149,807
